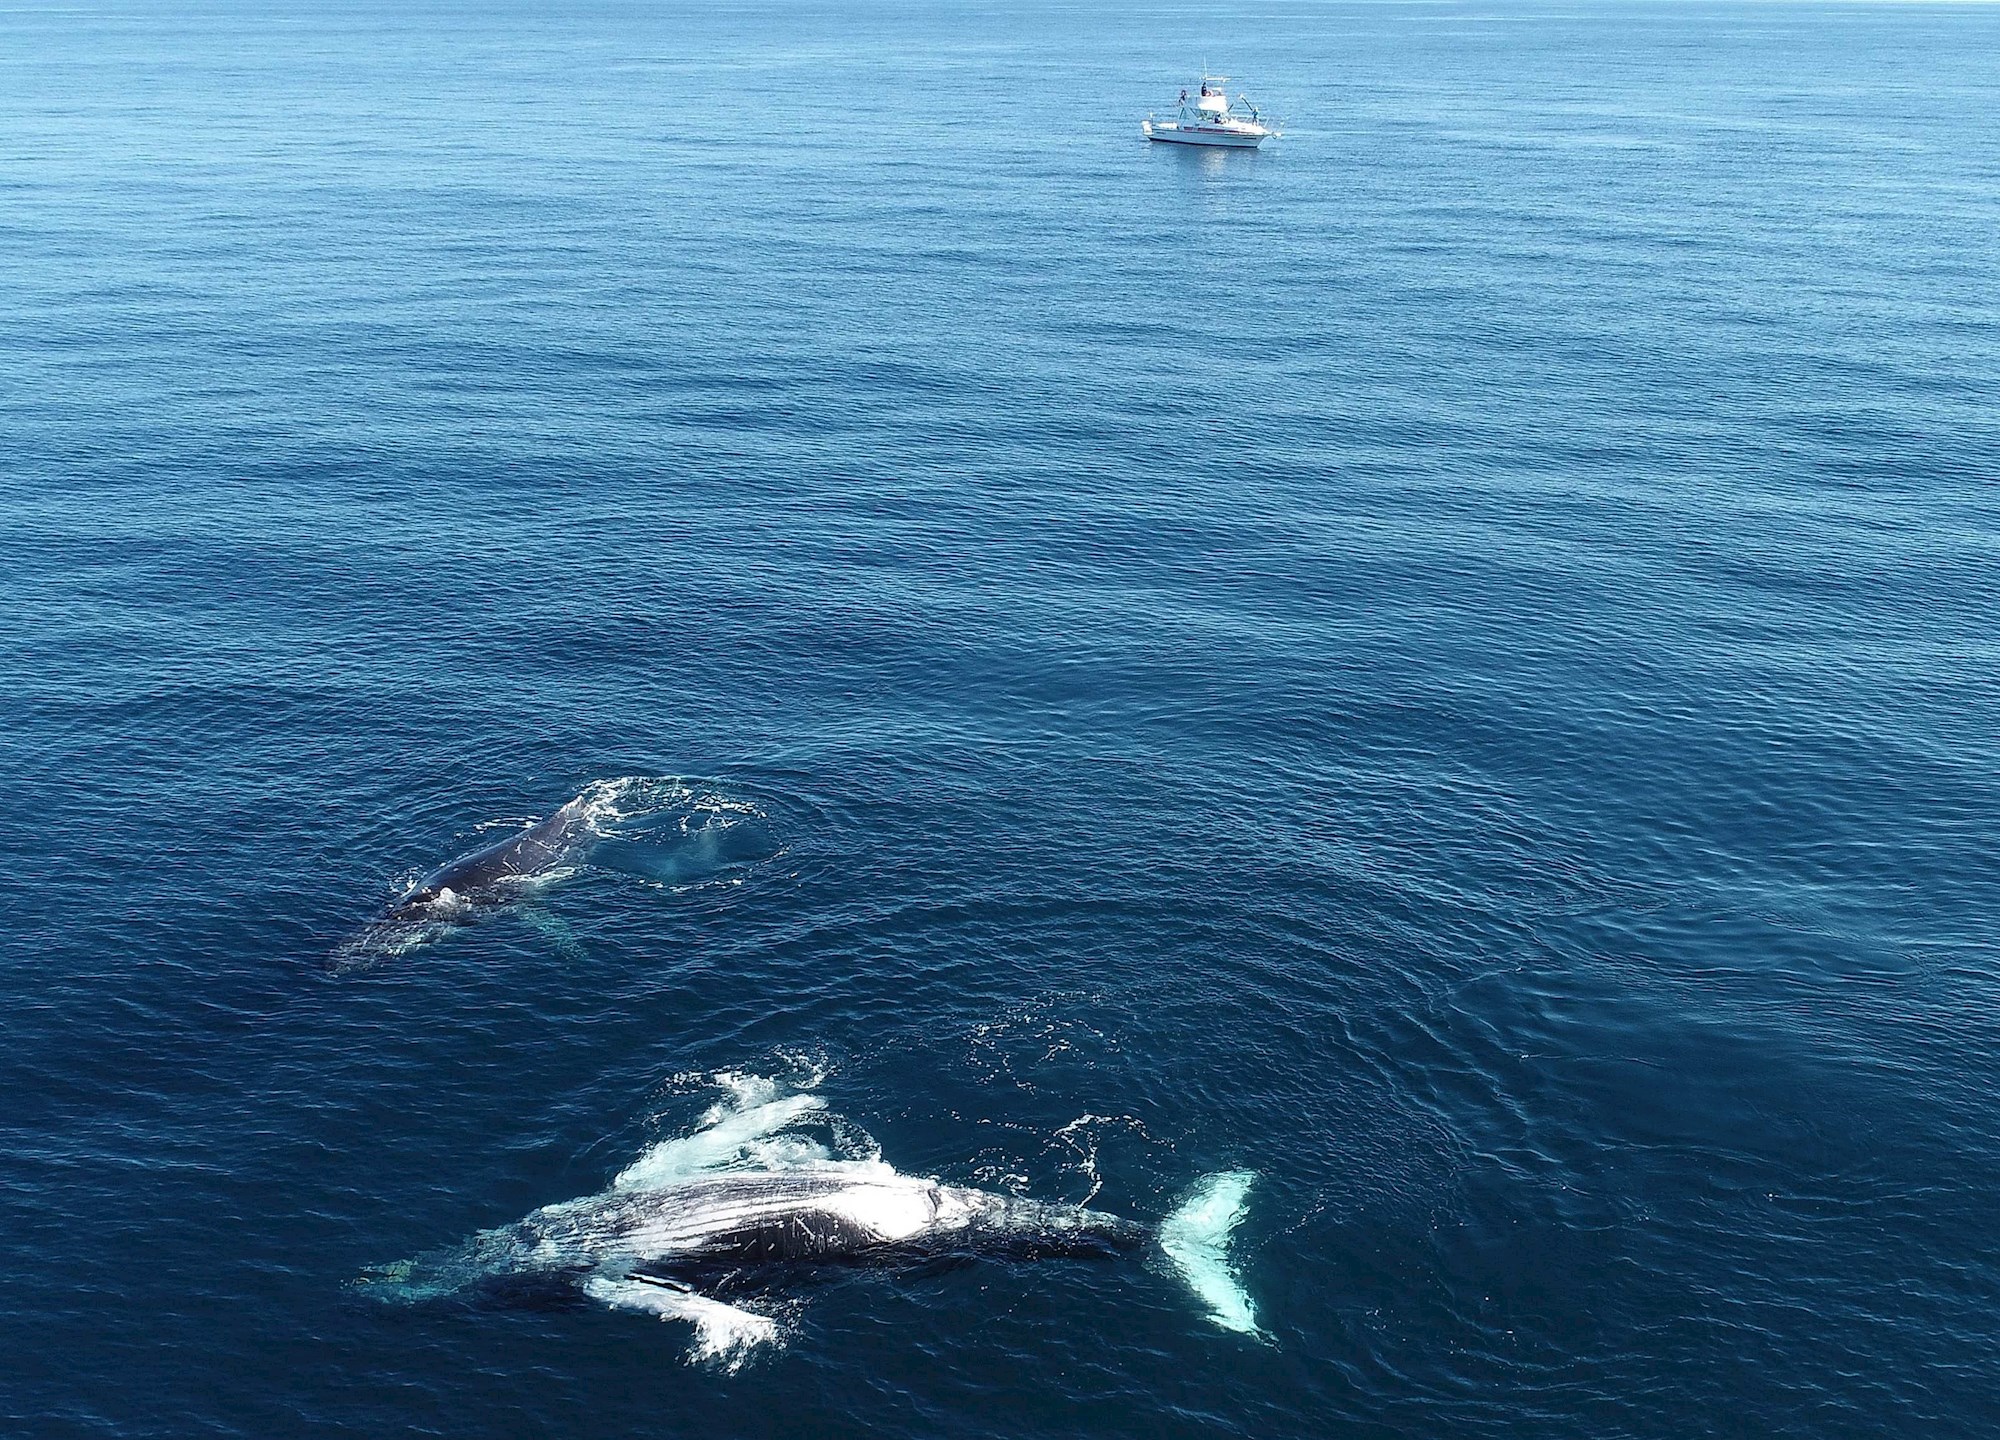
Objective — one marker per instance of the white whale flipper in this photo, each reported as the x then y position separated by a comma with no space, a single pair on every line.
724,1334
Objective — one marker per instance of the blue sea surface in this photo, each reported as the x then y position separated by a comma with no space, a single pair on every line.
1449,662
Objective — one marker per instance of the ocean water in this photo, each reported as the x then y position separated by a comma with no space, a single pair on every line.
1448,664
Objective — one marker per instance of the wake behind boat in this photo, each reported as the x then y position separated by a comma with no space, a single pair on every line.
1210,119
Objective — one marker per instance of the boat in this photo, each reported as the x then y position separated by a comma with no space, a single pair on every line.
1209,119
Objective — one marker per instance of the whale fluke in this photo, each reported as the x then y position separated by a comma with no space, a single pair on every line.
1196,1239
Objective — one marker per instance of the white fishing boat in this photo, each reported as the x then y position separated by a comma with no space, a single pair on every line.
1208,118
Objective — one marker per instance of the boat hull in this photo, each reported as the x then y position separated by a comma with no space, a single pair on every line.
1176,135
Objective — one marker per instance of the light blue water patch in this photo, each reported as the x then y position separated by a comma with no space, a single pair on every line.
679,834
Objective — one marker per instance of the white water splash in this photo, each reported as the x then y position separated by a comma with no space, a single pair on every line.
752,1128
675,833
1083,1134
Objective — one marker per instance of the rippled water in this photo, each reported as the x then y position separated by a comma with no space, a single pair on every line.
1447,663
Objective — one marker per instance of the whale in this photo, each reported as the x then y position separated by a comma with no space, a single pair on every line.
660,831
461,890
709,1228
484,875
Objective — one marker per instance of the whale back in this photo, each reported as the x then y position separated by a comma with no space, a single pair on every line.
748,1218
537,849
815,1216
1013,1227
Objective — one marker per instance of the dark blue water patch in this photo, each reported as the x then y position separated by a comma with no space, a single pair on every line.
1442,662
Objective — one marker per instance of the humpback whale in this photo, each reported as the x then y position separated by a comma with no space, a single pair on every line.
457,891
484,874
662,831
749,1202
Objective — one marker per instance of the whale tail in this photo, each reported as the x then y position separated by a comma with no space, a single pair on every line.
1196,1240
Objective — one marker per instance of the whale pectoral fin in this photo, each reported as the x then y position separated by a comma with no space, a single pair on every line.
725,1334
556,931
